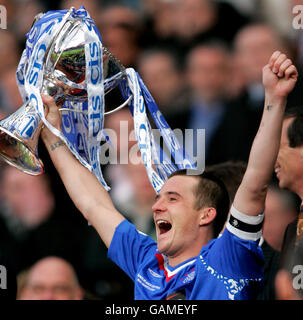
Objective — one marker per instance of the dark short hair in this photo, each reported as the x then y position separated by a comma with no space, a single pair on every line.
210,192
295,129
231,174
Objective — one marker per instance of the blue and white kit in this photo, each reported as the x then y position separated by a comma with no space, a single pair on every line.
227,268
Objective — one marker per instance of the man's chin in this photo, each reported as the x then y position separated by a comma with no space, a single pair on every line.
163,247
283,184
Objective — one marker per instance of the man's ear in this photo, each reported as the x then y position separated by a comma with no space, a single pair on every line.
207,215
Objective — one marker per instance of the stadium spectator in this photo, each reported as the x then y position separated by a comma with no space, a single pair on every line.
281,208
161,71
204,20
207,73
160,24
288,169
32,223
120,31
27,201
253,46
162,18
50,278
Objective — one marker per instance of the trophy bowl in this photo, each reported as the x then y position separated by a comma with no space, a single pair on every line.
64,72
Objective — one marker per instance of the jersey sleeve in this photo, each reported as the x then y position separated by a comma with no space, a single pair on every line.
128,248
237,254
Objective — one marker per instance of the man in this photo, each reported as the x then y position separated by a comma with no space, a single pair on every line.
50,278
288,169
207,75
282,208
253,45
229,267
160,70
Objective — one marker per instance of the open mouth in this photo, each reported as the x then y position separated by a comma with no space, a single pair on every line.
277,170
164,226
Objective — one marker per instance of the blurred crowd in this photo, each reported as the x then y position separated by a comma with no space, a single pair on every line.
202,61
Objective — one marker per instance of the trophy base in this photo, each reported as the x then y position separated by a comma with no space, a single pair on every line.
14,152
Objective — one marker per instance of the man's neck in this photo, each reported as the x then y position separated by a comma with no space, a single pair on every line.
299,192
174,261
191,252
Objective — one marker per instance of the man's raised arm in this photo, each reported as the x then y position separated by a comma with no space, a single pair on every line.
91,199
279,78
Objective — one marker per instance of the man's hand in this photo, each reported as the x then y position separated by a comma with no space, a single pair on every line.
279,76
52,115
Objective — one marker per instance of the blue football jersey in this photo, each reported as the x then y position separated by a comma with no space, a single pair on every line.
228,267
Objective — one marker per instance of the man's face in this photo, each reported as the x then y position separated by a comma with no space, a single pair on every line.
160,76
289,163
207,71
29,197
175,216
254,45
51,280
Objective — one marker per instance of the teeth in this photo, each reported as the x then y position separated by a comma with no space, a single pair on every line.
161,221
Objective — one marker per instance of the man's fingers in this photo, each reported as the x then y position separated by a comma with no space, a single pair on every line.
278,62
273,58
50,106
291,72
48,101
283,67
46,109
52,113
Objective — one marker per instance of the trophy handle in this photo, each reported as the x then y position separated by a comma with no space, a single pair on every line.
126,102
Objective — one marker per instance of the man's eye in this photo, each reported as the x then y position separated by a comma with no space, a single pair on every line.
172,199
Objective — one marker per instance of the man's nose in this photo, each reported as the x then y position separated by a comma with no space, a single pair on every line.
159,206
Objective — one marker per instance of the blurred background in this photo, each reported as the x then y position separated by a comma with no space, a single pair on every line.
202,61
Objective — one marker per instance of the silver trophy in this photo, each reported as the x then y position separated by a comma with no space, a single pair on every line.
63,79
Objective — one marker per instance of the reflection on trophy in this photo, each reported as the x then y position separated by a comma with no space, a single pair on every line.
64,67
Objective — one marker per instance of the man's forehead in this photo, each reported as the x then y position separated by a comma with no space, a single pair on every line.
180,183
